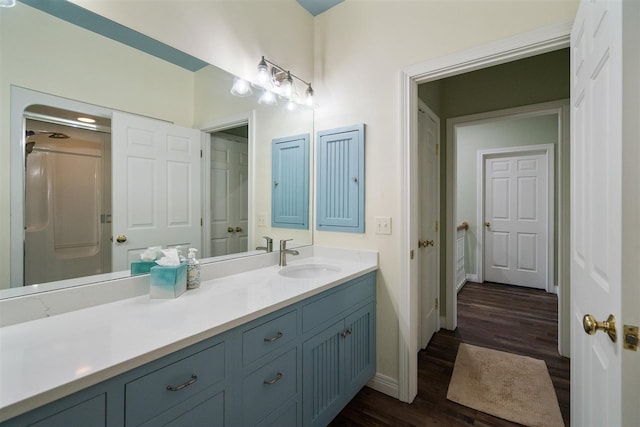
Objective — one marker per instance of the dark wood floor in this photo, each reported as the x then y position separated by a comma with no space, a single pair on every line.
508,318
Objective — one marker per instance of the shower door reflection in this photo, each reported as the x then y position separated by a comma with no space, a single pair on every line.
67,202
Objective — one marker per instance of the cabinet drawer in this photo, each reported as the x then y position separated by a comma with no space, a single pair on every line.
325,308
268,387
150,395
268,336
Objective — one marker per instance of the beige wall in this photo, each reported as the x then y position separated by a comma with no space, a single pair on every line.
360,48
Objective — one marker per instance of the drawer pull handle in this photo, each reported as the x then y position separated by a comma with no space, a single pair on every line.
183,385
277,378
276,338
346,333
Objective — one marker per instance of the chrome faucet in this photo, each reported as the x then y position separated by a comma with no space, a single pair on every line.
284,251
269,247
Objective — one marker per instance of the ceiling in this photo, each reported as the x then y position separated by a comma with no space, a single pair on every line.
316,7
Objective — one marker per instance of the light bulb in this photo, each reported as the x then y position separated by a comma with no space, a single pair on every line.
291,106
263,72
241,87
267,98
7,3
309,95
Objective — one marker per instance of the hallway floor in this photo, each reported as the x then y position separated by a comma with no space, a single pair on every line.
508,318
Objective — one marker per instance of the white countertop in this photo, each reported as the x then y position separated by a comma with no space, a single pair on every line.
46,359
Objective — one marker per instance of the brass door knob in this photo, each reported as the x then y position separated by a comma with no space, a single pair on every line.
425,243
121,238
487,224
591,325
238,229
230,229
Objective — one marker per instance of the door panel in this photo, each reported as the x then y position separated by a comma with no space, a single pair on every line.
516,227
429,214
229,195
156,186
596,210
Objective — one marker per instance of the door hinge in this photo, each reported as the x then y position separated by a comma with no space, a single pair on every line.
436,226
201,222
200,153
412,253
436,305
437,149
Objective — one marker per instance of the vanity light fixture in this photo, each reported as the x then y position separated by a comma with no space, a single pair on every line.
275,82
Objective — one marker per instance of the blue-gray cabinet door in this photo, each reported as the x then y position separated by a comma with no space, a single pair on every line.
340,187
360,347
290,182
323,376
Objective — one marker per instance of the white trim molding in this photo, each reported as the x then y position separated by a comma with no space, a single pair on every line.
384,384
520,46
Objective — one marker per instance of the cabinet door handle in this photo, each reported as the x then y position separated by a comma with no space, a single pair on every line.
275,338
346,333
277,378
183,385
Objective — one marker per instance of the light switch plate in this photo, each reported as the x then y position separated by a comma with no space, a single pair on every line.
383,225
262,220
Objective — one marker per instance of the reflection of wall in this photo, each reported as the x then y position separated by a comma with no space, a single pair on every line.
500,134
80,65
233,35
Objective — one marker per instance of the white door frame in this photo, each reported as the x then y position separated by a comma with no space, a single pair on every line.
213,126
520,46
547,150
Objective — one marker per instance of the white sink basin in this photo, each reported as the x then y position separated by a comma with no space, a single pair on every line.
308,271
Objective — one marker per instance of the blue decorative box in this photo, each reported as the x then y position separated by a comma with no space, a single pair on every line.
141,267
168,281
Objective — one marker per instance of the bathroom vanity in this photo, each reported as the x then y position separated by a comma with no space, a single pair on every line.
266,347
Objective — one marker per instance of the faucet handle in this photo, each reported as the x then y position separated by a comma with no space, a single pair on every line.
269,239
283,243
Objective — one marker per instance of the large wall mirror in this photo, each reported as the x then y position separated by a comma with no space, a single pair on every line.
71,177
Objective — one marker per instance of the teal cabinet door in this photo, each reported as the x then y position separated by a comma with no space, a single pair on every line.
290,182
340,187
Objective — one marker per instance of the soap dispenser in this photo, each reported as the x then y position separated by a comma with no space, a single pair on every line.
193,270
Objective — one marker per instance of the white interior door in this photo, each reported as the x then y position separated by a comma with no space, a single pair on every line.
602,153
229,195
516,220
156,186
429,213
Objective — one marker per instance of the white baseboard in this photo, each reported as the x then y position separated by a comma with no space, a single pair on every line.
472,278
384,384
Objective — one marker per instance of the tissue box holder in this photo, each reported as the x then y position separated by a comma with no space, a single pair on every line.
141,267
168,281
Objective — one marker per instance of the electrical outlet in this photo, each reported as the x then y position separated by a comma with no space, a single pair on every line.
383,225
262,220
